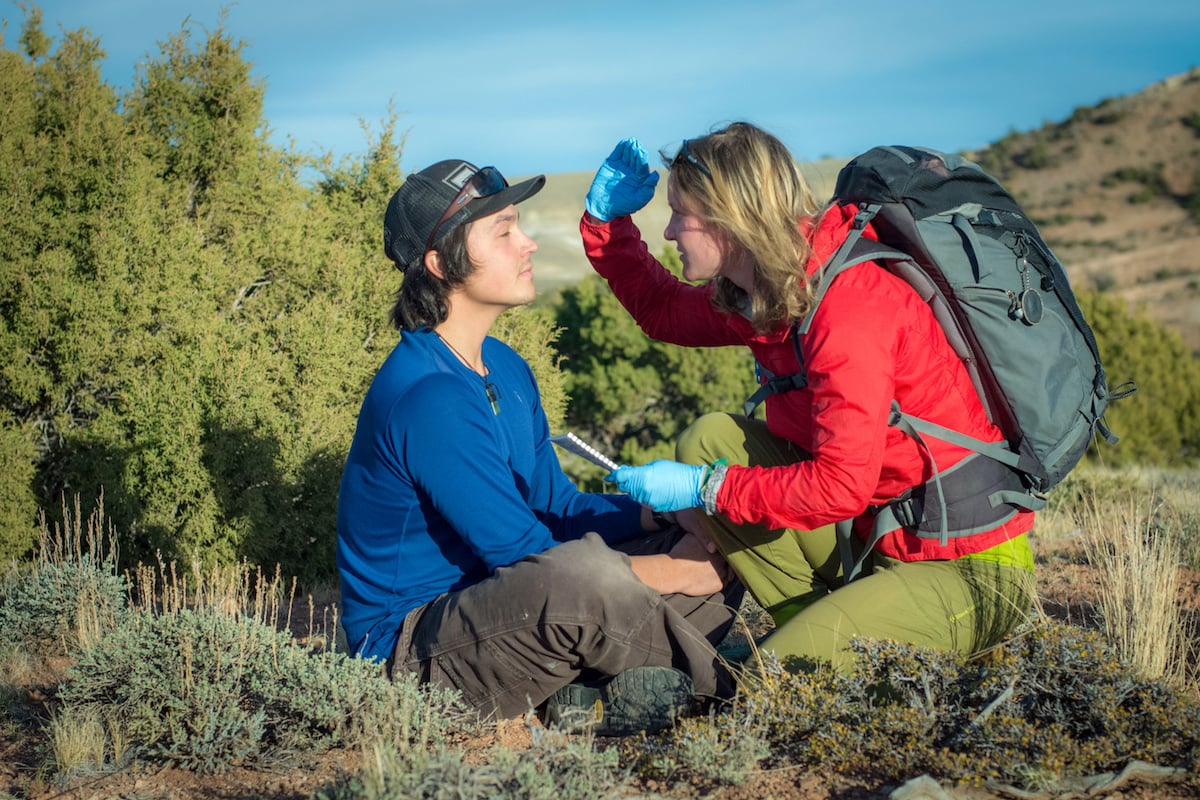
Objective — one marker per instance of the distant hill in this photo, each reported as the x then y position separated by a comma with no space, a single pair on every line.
1115,189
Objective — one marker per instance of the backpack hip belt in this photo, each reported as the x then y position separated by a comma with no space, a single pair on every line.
976,495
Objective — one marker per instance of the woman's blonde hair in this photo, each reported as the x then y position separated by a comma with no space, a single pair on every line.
744,181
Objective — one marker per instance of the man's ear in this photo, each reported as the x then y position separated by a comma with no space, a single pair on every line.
433,263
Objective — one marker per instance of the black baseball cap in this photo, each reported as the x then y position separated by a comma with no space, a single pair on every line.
424,196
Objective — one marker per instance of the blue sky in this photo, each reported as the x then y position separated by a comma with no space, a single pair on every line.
535,86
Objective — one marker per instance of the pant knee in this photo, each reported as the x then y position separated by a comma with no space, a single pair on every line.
703,441
587,572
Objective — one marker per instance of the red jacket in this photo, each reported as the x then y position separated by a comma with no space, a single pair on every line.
872,341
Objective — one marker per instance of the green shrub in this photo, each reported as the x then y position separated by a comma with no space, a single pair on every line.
208,692
532,332
997,159
1083,486
44,607
556,767
633,396
1192,121
18,456
1061,218
68,596
1160,424
1037,155
703,753
1153,182
1108,111
1052,702
1192,201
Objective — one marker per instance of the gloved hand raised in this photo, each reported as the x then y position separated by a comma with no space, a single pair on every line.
662,485
623,184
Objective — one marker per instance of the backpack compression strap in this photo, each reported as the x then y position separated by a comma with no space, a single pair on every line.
775,384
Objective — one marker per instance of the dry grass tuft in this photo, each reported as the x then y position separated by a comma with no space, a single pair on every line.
240,591
1137,545
77,742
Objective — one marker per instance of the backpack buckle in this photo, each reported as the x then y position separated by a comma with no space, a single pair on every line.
864,215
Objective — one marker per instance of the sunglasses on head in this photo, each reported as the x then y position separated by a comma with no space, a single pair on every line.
485,182
685,154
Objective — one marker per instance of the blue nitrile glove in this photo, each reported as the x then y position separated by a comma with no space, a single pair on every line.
662,485
623,184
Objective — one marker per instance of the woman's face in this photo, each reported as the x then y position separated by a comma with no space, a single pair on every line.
700,248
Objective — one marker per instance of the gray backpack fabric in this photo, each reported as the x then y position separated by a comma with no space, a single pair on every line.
961,241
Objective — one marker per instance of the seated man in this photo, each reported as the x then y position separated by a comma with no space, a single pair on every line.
466,555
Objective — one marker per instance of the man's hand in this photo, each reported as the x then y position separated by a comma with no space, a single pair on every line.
689,520
663,485
707,571
688,569
623,184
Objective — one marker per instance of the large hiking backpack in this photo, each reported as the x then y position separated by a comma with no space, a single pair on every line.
961,241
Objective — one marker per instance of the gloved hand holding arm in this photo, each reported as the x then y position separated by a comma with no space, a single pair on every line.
662,485
623,184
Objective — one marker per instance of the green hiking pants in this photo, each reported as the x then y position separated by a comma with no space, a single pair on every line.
965,605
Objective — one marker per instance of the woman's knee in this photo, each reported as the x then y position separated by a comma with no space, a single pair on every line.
805,645
707,439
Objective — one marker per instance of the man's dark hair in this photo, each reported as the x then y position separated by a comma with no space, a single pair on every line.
421,299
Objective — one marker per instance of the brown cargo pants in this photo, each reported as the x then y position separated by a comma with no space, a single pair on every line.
573,612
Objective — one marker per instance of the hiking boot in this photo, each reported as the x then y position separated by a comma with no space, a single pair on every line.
637,699
575,707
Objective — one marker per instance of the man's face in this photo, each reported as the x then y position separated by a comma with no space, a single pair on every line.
502,254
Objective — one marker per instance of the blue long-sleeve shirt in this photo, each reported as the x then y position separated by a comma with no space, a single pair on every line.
439,490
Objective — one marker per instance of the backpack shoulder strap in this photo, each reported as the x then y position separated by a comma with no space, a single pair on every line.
853,250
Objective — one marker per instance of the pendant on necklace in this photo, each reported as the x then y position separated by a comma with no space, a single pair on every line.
493,395
489,388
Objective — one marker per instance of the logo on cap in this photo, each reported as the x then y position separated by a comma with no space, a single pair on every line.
459,177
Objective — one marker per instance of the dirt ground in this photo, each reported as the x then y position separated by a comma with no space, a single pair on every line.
1067,588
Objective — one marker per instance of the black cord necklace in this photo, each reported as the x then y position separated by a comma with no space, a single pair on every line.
489,388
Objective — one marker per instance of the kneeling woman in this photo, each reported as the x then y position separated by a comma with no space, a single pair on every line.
768,494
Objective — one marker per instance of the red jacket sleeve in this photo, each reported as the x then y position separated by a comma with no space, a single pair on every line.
666,308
